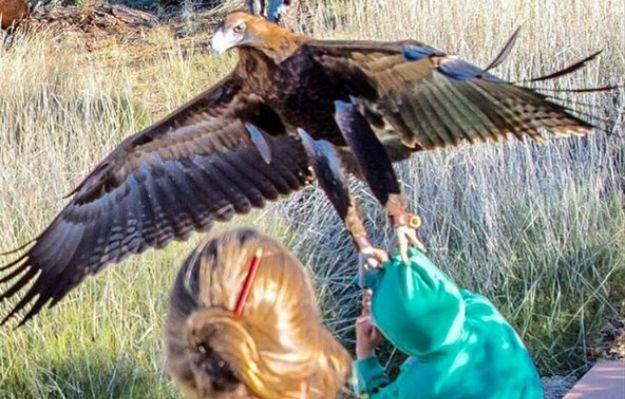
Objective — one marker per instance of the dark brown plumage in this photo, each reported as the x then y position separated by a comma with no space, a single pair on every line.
207,161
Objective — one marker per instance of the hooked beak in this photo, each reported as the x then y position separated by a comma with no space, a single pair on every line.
222,42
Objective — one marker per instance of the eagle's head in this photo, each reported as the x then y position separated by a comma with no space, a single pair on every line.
238,29
241,29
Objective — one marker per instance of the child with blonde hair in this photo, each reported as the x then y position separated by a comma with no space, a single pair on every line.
244,323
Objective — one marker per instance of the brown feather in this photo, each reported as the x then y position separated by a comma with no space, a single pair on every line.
440,101
196,166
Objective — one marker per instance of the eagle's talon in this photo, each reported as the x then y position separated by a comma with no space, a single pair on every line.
407,236
370,256
406,219
373,258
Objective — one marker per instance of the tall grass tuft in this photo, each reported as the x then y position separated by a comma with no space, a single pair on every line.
538,229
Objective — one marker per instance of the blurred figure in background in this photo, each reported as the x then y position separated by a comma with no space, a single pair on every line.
271,9
460,346
282,12
244,323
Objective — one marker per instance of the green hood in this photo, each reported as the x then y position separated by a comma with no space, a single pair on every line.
417,308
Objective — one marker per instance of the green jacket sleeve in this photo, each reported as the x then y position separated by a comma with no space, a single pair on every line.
370,376
372,382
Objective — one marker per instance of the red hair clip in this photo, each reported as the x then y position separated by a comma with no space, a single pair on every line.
247,283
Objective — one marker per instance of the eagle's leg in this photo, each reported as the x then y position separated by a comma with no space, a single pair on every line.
328,170
379,173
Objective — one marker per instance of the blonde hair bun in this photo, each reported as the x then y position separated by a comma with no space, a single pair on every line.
276,344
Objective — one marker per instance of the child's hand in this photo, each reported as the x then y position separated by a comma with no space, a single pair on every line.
367,335
366,303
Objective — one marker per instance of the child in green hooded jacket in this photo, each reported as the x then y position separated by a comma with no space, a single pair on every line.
459,344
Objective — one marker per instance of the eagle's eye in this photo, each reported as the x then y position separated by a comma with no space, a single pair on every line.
239,28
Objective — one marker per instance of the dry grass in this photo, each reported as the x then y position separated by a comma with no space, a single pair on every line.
539,229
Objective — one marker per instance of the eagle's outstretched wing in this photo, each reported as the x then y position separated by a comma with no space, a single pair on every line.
424,99
198,165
